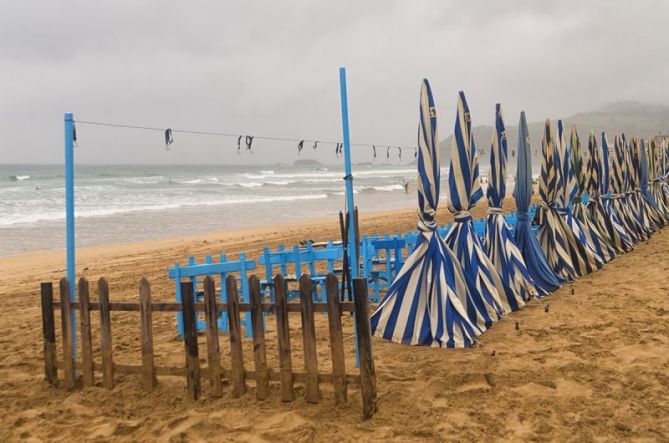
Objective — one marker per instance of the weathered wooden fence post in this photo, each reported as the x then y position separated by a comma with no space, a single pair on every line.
49,334
259,350
237,377
105,334
309,339
148,370
283,338
336,340
190,340
213,348
66,330
86,341
367,371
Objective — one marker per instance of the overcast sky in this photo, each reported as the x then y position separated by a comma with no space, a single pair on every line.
271,68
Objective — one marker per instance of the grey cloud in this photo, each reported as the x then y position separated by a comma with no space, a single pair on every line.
270,68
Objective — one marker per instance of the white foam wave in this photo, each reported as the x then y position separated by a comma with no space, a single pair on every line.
35,217
19,177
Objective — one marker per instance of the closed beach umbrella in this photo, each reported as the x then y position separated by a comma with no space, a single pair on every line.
584,255
499,244
580,162
652,212
656,187
635,200
427,302
464,188
599,209
617,196
553,230
543,277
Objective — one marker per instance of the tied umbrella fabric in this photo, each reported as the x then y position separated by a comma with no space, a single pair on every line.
634,188
553,230
502,251
651,211
483,280
619,187
581,166
584,256
543,277
655,177
427,301
599,203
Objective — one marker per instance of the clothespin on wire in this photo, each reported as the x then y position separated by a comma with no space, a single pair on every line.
74,134
239,145
338,149
387,152
374,151
400,151
168,139
315,145
415,152
300,145
249,143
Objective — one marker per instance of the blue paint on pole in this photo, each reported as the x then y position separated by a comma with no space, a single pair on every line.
349,178
349,192
69,217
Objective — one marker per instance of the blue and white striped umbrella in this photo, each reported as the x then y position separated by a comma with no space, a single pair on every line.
634,191
499,244
637,217
543,277
655,173
619,203
599,210
554,234
427,302
464,188
583,254
652,212
580,162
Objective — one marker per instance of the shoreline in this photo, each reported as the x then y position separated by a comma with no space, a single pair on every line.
229,241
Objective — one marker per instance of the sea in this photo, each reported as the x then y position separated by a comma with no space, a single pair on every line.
125,203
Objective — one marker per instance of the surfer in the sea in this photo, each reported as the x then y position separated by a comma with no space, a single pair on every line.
405,184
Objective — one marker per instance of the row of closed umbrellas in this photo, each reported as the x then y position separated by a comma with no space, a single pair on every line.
451,290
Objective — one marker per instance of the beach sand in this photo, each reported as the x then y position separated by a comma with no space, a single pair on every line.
594,366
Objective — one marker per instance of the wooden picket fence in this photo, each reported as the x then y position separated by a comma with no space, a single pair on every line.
236,374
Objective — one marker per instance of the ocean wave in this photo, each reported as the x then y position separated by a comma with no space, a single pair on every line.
385,188
17,177
56,215
249,184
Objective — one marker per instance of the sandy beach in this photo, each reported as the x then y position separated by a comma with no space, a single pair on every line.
589,363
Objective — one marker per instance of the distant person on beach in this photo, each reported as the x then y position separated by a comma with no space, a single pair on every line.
406,186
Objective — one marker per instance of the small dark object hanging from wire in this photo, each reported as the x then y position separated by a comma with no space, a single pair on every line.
300,145
400,151
74,135
338,149
239,144
374,151
415,152
168,139
249,143
315,146
387,152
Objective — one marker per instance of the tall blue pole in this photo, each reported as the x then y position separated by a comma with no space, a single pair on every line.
349,178
69,216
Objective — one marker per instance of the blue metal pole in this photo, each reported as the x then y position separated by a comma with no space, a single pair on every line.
69,217
349,178
349,193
